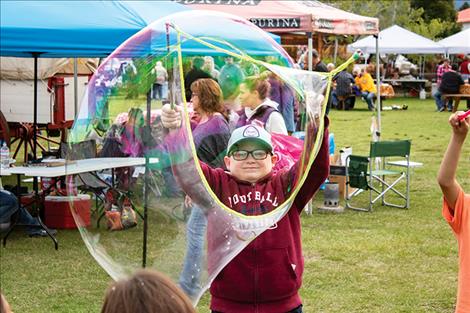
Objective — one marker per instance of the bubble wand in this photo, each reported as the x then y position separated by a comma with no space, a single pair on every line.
463,116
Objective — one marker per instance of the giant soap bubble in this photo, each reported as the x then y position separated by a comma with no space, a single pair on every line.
154,207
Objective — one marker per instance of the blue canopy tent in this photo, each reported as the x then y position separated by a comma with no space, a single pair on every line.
89,28
96,28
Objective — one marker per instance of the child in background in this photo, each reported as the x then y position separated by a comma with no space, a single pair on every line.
456,208
146,292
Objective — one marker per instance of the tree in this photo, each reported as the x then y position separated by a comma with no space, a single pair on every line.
442,9
410,14
464,6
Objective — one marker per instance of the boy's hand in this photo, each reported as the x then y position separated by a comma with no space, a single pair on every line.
460,128
171,117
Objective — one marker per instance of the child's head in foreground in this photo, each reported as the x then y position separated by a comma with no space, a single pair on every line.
250,154
146,292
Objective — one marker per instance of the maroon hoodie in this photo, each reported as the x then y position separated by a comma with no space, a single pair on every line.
266,276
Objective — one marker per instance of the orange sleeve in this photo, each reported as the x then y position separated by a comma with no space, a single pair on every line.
459,213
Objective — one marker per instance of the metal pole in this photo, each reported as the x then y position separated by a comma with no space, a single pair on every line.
379,106
146,182
336,50
35,104
75,87
310,47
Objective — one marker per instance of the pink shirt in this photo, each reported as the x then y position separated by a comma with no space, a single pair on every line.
459,221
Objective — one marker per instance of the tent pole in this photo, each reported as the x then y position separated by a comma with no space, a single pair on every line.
310,47
75,87
146,180
35,104
336,49
377,73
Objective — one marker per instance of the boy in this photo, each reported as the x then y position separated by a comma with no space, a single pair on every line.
266,276
456,208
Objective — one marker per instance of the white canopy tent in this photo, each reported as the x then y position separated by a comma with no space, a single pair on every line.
394,39
457,43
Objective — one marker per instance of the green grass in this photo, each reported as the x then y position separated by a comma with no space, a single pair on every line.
391,260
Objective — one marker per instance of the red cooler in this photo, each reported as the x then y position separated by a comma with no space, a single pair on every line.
57,211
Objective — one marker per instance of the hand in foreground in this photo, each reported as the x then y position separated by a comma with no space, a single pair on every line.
459,127
171,117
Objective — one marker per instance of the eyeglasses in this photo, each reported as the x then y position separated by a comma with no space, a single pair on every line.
241,155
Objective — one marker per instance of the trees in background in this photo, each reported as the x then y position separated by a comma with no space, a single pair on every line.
432,19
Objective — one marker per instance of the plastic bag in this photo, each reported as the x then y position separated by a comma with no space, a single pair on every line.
288,150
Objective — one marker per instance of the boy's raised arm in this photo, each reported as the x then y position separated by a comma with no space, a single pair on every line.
446,176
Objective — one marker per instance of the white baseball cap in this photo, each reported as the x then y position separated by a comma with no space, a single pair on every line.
249,133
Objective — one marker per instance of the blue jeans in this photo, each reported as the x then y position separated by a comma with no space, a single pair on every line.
195,235
157,91
440,103
288,114
9,206
369,97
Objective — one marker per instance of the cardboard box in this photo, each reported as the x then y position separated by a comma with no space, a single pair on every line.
57,211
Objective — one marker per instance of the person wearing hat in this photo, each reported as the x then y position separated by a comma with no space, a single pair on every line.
267,275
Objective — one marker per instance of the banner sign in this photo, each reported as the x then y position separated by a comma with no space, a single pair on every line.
276,22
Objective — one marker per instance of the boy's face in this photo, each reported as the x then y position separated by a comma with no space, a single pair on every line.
250,169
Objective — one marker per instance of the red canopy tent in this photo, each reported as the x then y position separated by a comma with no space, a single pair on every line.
280,16
286,16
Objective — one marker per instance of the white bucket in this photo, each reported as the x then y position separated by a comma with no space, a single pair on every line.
422,94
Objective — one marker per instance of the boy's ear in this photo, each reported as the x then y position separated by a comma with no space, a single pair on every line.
227,162
274,158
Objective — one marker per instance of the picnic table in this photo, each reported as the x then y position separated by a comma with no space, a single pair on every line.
456,97
407,84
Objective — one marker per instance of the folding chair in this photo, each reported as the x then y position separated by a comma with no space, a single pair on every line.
386,178
87,182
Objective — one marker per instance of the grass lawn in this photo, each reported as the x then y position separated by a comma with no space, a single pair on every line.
391,260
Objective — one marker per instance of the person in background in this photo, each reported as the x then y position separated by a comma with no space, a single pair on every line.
211,136
194,74
343,92
441,69
450,84
146,291
258,108
230,78
367,87
465,69
317,64
456,206
9,207
282,94
330,67
209,67
161,78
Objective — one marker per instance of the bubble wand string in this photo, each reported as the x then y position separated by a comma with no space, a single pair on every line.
463,116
